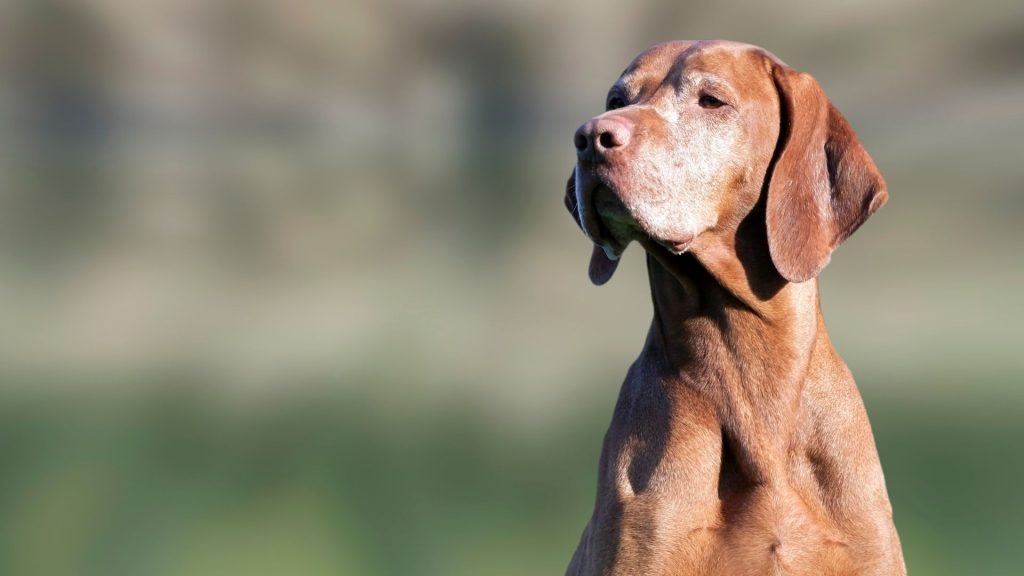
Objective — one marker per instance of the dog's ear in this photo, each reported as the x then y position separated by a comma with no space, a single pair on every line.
601,265
823,186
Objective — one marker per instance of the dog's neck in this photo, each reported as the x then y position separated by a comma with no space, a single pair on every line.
743,336
700,297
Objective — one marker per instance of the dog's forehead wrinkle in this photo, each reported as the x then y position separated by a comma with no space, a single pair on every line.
676,74
659,61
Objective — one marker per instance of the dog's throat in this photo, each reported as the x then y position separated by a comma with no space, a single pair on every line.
675,282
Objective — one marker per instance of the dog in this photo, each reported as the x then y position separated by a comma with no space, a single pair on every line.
739,444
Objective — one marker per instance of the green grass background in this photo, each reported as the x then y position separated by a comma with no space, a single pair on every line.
288,287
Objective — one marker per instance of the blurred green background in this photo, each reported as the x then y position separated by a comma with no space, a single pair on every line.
288,287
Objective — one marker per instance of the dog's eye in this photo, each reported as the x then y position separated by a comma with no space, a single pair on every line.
709,101
616,102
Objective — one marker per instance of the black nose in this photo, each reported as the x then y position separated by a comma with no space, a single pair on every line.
601,136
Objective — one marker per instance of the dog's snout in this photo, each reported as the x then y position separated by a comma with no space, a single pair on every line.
600,136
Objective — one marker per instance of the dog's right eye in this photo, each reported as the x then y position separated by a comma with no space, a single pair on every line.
615,102
710,102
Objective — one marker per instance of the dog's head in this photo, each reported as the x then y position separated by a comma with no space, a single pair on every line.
694,134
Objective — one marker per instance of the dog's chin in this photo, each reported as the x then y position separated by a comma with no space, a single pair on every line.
678,245
616,227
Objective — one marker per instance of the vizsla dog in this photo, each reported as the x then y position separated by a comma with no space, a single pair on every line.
739,444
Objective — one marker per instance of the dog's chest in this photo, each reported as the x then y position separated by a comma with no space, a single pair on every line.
668,505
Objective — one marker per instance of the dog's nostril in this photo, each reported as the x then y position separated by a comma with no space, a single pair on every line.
608,140
580,141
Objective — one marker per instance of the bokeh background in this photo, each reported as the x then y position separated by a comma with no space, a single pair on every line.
288,287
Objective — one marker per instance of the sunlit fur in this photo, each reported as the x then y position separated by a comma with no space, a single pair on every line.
739,445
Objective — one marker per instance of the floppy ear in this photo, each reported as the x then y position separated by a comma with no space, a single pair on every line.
601,266
824,184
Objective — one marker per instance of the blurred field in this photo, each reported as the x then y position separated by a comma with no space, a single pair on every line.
288,288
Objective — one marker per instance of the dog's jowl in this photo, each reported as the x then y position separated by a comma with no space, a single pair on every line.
739,444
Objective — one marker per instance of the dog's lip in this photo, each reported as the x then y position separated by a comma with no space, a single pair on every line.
616,225
587,185
605,239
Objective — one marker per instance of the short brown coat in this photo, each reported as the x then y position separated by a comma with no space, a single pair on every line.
739,444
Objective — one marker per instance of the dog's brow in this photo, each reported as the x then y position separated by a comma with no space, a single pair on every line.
703,80
713,82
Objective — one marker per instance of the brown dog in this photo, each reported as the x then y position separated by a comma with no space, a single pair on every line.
739,444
